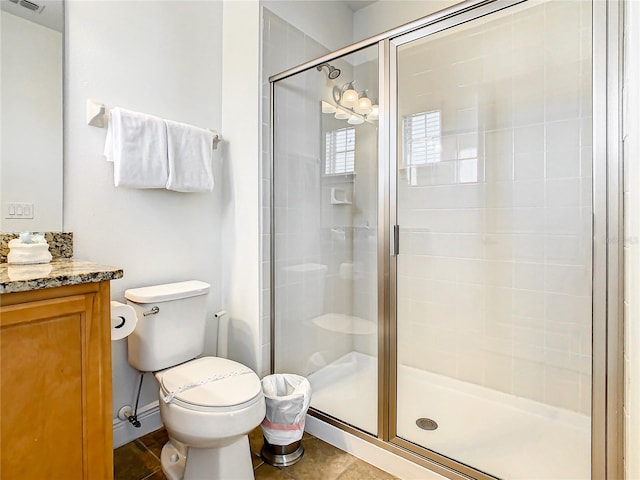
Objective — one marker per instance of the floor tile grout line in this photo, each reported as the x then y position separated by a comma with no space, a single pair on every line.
347,467
151,474
148,449
158,467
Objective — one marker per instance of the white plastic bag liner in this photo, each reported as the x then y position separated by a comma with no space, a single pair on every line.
287,398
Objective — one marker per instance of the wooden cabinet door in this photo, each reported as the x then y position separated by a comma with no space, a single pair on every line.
52,386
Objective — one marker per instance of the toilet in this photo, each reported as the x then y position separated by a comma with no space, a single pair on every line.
208,405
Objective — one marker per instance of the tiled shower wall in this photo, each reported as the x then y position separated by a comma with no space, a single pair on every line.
494,280
325,252
284,47
365,220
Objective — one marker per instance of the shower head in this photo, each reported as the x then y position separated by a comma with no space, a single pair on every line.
332,72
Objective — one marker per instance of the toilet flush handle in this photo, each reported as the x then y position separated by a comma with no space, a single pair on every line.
153,311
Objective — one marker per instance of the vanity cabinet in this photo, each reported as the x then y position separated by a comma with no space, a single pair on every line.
55,383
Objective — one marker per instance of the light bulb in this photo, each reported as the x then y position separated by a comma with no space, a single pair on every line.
364,105
349,97
355,120
341,115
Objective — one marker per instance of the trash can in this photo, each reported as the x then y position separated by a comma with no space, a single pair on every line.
287,398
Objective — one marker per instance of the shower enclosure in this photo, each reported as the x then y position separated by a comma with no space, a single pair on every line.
440,199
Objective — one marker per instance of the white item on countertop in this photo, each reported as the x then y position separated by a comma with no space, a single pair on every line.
29,253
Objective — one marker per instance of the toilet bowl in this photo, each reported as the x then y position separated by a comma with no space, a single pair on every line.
208,407
209,404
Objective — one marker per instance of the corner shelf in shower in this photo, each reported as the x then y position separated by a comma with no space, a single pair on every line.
339,197
342,323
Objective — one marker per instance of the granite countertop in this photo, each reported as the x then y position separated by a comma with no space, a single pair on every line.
58,273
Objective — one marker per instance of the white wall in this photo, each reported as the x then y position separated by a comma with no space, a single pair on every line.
31,99
631,136
162,58
384,15
328,23
334,25
241,130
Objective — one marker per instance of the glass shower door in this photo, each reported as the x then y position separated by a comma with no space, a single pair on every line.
493,200
325,235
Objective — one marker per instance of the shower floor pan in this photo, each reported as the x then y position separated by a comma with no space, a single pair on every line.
501,434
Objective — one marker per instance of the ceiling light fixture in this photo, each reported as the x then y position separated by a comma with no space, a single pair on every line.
350,105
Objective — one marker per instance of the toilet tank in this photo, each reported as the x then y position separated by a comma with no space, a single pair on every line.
171,324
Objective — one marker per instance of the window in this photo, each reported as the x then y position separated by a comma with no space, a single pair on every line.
422,132
340,151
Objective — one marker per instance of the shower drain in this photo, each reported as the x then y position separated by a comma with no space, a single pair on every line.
426,423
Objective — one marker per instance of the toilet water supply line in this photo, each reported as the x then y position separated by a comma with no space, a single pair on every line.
133,418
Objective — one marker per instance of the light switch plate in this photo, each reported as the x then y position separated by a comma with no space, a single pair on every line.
18,210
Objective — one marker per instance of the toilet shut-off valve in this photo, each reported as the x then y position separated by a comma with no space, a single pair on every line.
125,414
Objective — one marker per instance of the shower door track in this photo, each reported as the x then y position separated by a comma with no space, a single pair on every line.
607,331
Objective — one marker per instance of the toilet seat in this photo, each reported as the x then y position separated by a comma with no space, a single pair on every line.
210,384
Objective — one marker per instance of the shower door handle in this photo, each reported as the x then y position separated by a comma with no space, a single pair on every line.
395,249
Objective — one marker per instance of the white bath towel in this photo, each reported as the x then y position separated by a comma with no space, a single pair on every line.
137,145
190,156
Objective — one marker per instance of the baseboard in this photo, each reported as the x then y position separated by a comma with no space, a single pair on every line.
149,418
379,457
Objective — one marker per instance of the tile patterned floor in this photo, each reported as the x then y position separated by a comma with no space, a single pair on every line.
139,460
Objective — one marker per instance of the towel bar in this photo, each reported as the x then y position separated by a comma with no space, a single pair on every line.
98,116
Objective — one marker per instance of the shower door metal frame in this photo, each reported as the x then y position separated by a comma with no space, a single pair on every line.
608,270
607,378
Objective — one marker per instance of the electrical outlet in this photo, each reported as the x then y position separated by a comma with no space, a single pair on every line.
17,210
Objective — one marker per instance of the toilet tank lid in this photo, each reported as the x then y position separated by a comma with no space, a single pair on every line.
167,292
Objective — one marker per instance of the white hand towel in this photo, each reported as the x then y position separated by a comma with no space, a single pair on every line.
190,156
137,145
